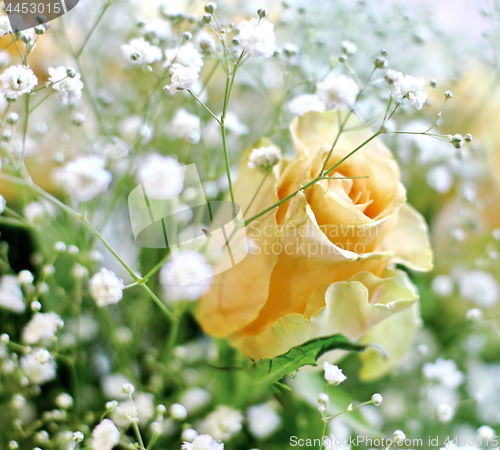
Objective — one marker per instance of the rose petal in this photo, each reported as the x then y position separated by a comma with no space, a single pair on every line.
393,335
351,307
409,240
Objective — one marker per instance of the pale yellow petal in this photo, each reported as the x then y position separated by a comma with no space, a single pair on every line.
393,336
351,308
409,240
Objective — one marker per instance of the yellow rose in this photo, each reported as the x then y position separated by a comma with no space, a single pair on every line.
323,262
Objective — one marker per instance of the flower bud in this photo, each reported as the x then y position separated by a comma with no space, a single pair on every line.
377,399
210,7
262,12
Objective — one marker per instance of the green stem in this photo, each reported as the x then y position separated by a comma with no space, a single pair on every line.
94,26
256,193
204,106
138,436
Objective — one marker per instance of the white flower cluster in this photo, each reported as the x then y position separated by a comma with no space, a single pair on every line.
263,420
106,288
3,204
334,92
141,51
480,287
105,435
185,65
186,126
186,265
84,178
264,158
38,366
256,37
409,87
17,80
42,328
68,84
337,91
5,27
443,371
333,374
11,296
164,176
203,442
223,423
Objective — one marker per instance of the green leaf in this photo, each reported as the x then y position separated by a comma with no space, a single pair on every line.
272,370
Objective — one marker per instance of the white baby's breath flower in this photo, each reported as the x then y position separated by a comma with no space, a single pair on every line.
195,398
189,434
234,125
442,285
187,55
337,91
3,204
64,400
141,51
69,88
186,126
486,433
205,41
305,103
133,127
408,87
27,36
333,374
36,212
11,296
263,420
105,436
25,277
182,78
377,399
203,442
84,178
443,371
124,414
479,286
106,288
349,48
5,27
111,385
35,371
163,176
323,398
78,436
440,178
257,37
444,413
192,268
474,314
264,158
178,411
398,435
222,423
17,80
42,328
